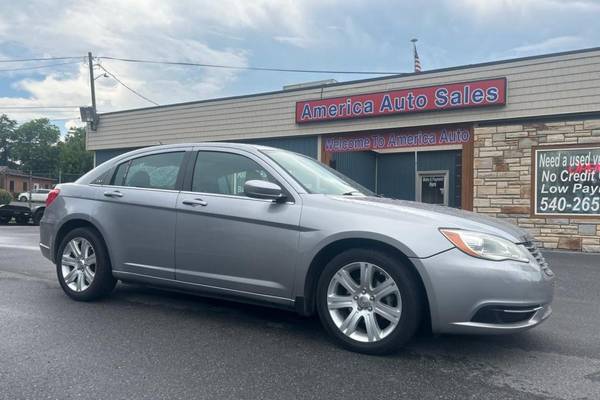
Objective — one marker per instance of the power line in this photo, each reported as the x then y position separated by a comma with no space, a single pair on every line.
65,119
39,59
205,65
39,66
127,87
35,107
190,64
45,111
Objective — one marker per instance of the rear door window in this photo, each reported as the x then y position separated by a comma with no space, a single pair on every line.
156,171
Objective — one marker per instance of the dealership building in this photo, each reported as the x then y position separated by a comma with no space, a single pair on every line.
516,139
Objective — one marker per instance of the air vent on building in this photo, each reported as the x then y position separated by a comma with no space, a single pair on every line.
305,85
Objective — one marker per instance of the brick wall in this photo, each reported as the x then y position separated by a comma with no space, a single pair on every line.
502,179
20,180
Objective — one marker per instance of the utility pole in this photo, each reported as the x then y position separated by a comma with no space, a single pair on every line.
29,187
92,82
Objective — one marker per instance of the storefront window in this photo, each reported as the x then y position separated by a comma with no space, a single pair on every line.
432,187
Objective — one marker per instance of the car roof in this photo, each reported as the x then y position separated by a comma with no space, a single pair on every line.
227,145
104,167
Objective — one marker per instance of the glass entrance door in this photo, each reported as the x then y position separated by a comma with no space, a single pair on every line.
432,187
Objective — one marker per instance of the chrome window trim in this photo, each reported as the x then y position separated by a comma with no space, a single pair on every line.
231,196
138,188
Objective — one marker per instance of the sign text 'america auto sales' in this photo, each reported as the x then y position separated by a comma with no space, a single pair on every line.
482,93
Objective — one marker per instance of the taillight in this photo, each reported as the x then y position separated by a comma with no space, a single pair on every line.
52,196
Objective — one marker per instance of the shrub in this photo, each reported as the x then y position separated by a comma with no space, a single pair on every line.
5,197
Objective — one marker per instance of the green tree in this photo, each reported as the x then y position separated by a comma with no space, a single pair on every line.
7,137
35,146
5,197
74,158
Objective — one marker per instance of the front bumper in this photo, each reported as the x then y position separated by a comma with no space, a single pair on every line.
459,287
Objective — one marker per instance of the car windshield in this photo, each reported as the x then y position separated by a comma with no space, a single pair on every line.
316,177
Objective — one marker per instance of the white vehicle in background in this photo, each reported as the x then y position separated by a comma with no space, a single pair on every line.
38,195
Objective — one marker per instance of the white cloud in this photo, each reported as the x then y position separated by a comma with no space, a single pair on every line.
74,123
297,41
153,29
552,45
496,8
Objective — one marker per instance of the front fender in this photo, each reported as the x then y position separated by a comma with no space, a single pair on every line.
303,272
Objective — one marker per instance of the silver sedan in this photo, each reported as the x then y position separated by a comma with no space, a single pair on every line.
268,226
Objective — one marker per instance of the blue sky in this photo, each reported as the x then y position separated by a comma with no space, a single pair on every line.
312,34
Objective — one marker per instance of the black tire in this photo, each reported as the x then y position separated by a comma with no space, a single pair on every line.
410,292
37,216
21,220
4,220
23,199
103,282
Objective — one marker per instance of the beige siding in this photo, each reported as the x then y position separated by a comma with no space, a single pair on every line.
539,87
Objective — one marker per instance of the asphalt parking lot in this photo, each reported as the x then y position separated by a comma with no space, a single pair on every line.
149,344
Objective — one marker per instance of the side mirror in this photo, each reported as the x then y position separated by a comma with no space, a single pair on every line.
264,190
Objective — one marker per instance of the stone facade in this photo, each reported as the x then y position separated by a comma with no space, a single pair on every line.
502,179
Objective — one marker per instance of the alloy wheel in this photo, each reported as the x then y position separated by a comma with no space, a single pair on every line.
364,302
78,264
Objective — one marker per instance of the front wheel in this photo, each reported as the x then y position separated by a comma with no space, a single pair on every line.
23,199
83,266
369,302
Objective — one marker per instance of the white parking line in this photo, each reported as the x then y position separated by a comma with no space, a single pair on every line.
19,246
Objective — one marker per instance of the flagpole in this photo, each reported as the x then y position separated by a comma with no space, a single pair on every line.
417,61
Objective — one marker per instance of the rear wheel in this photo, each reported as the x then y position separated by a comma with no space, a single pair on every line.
83,266
21,220
368,301
4,220
23,198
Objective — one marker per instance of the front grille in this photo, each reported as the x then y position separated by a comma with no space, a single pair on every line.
505,314
539,258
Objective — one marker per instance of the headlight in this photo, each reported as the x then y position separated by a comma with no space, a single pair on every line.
486,246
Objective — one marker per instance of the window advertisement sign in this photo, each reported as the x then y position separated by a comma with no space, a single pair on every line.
400,139
483,93
566,180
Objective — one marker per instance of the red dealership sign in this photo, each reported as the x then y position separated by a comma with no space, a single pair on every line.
491,92
399,139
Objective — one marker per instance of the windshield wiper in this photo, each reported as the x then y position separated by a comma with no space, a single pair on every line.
350,193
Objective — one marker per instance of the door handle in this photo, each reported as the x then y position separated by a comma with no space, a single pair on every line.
195,202
115,193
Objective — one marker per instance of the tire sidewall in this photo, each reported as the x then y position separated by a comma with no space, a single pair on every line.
103,280
37,217
409,292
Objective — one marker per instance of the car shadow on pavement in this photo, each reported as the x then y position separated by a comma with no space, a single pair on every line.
304,329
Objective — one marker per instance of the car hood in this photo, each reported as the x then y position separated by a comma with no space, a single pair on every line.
442,217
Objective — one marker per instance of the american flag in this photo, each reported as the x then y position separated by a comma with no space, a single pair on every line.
417,60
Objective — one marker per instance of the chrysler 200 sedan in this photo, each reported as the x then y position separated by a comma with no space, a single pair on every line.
269,226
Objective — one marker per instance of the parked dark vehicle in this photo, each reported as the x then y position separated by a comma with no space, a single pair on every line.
21,214
37,214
